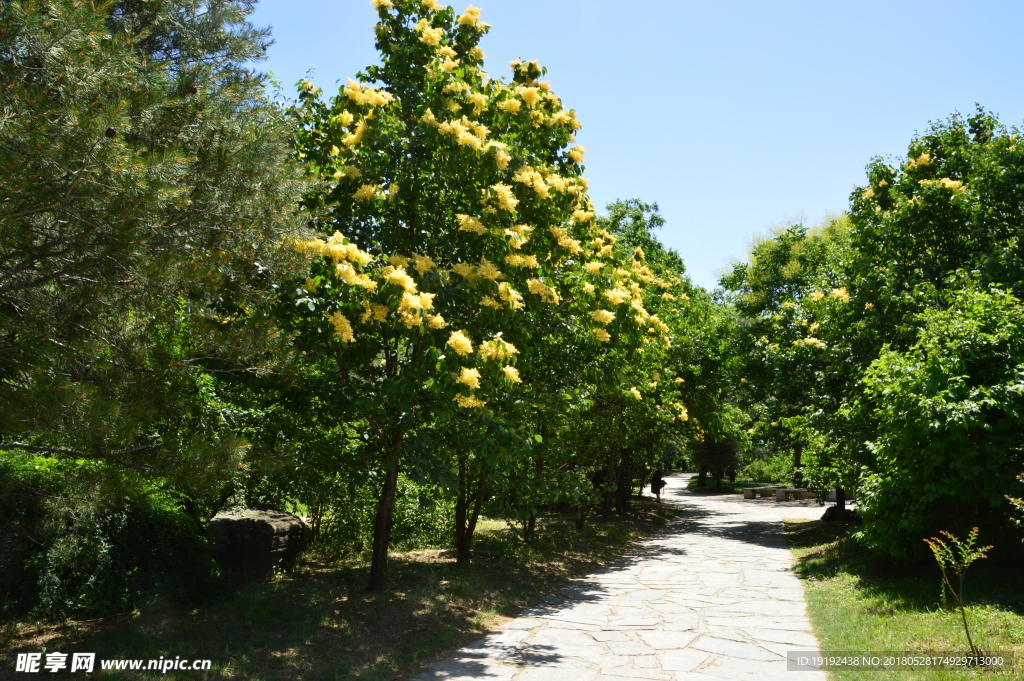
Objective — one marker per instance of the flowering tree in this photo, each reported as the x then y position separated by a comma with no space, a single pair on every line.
456,225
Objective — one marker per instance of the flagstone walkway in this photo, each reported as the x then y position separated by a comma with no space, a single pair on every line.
711,596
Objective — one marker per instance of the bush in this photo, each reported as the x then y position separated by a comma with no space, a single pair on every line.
772,468
74,552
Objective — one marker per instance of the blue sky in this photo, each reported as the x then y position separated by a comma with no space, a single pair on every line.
733,116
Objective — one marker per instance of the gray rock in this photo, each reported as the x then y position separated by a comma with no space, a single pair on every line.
252,544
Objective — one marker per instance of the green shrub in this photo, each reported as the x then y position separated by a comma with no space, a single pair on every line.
773,468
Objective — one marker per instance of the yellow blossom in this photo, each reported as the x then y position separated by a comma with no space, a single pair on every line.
468,223
816,296
477,53
582,216
530,95
381,3
667,296
677,379
373,312
496,349
464,270
602,316
469,377
436,321
588,287
841,294
512,374
398,260
342,327
487,301
510,296
398,275
469,402
449,52
635,393
602,335
510,105
460,342
488,271
575,154
504,197
367,191
423,264
447,65
479,101
868,306
546,293
617,296
471,17
429,36
432,5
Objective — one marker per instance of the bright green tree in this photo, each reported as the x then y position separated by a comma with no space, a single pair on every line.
456,227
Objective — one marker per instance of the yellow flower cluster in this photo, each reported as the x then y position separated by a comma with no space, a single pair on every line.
510,105
469,377
366,192
617,296
575,154
594,267
468,223
532,178
546,293
517,260
602,316
681,412
510,296
816,296
518,235
841,294
602,335
460,342
635,393
496,349
369,95
561,235
342,327
530,95
502,195
469,402
428,35
488,271
432,5
923,159
512,374
471,17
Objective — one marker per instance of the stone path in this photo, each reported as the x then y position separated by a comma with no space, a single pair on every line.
709,597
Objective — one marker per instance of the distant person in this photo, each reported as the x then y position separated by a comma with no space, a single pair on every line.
657,484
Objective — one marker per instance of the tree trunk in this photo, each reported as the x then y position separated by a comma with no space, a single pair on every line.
841,502
609,476
622,482
466,517
798,473
384,520
702,476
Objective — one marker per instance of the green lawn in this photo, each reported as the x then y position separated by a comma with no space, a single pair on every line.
860,605
319,623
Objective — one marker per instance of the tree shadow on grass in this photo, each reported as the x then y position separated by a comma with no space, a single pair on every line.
319,623
827,550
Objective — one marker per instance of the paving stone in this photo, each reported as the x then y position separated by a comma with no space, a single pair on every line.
721,646
712,597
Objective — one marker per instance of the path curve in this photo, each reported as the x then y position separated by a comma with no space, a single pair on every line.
710,596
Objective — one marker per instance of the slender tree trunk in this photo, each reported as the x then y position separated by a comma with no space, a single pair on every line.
798,473
702,475
384,519
609,476
841,502
466,517
622,482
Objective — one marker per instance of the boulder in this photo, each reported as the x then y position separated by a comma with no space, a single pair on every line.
253,544
832,513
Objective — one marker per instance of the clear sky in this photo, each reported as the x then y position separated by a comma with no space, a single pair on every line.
732,116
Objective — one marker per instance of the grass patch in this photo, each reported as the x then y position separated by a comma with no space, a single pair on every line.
858,604
319,623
